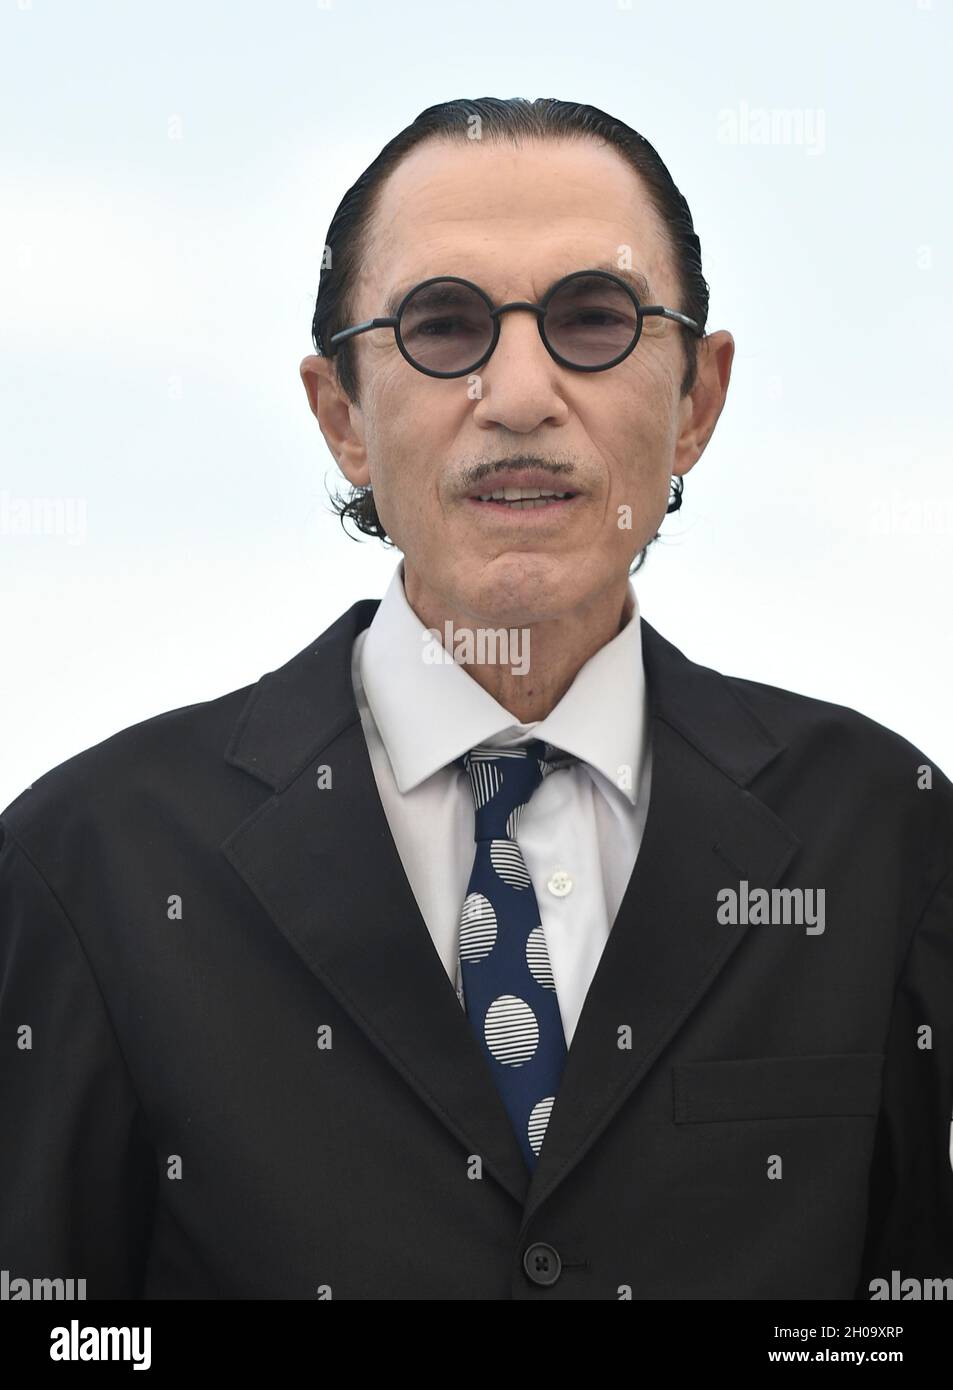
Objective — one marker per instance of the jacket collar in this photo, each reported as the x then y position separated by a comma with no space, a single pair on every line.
294,712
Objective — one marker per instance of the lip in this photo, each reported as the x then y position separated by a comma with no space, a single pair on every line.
525,516
535,478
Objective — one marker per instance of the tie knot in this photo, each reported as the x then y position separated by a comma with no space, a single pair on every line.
502,781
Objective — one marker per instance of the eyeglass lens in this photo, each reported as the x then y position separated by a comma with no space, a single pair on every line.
447,327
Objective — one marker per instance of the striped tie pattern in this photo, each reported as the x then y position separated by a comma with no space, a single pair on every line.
505,980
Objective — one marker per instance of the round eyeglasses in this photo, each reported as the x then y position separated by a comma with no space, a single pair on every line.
588,321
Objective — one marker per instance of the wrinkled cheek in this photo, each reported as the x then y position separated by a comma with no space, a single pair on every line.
639,499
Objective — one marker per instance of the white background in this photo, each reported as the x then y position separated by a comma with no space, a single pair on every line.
169,172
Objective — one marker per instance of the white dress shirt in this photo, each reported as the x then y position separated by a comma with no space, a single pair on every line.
581,830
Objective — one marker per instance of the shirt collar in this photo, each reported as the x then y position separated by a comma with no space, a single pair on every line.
430,711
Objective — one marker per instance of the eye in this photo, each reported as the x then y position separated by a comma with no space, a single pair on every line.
441,327
591,317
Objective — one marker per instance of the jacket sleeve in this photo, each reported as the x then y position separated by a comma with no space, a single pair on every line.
77,1171
910,1213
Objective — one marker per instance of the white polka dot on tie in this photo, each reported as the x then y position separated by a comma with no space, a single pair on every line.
511,1030
537,958
477,927
507,860
538,1120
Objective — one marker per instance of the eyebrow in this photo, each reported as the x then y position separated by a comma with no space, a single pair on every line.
633,278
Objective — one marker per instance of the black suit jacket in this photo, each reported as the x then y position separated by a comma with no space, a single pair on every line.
271,1090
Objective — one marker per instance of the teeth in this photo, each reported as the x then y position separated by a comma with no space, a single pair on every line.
521,503
517,495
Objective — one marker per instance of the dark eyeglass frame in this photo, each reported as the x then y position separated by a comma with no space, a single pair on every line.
642,311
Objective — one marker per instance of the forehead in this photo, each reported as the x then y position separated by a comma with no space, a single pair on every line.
512,218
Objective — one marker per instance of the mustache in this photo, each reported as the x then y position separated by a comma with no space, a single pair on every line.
520,463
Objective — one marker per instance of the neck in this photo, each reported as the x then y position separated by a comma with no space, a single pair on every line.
528,666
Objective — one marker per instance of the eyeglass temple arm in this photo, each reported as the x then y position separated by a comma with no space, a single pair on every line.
360,328
669,314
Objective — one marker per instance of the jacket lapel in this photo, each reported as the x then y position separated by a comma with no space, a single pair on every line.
703,832
323,864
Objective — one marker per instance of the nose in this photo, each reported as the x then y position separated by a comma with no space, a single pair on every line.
508,308
519,391
526,306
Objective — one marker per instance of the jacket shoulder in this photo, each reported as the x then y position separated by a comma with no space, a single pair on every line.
141,760
846,733
171,770
847,764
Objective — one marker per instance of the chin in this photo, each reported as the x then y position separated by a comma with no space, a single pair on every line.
512,591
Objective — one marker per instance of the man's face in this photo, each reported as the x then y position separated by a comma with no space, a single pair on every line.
514,221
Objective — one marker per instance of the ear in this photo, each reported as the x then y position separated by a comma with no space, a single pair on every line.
338,417
704,403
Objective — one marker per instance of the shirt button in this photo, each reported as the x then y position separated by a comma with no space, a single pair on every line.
560,884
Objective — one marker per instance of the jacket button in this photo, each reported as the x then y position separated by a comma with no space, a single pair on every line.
542,1264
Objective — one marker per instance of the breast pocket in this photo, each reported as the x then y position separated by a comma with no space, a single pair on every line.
773,1088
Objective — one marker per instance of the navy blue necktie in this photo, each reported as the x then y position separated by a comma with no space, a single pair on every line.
505,975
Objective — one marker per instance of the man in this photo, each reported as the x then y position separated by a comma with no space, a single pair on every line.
567,969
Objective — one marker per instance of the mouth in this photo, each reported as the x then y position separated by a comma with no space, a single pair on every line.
523,499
